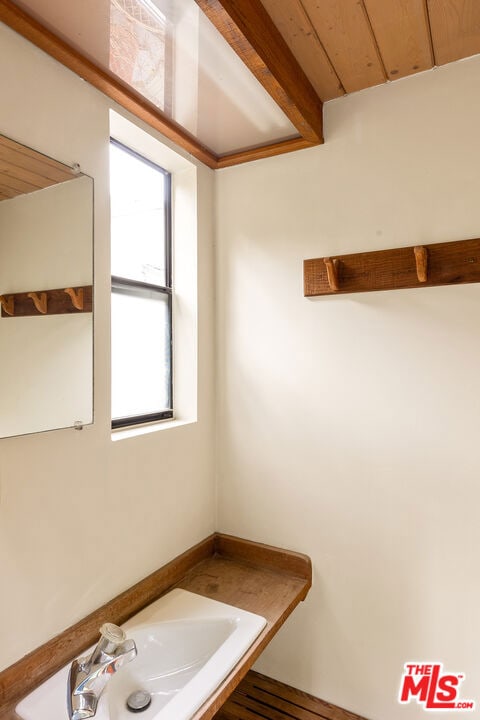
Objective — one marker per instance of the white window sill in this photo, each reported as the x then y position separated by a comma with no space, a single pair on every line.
136,430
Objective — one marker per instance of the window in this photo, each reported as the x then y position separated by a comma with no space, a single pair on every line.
141,49
140,194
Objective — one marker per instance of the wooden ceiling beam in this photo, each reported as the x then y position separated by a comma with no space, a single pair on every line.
263,151
250,31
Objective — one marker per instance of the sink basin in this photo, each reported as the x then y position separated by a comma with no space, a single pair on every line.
187,644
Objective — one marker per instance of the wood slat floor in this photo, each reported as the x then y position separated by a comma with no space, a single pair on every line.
260,698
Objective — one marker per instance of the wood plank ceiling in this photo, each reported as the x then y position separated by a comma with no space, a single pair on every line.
304,53
23,170
349,45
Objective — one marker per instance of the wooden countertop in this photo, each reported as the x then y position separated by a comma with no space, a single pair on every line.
259,578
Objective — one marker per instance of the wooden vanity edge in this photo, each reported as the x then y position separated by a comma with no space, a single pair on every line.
264,556
20,679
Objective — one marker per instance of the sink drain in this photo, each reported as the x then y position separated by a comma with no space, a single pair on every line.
138,701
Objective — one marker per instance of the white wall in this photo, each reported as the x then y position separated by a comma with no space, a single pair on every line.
46,242
81,517
348,426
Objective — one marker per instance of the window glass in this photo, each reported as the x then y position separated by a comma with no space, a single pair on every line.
140,354
138,218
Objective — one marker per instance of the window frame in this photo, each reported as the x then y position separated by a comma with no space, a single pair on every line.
143,289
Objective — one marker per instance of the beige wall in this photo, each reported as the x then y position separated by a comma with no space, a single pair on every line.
348,427
82,517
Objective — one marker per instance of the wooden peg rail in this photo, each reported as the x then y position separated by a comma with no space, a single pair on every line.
450,263
47,302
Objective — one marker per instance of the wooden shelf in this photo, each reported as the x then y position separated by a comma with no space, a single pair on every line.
255,577
450,263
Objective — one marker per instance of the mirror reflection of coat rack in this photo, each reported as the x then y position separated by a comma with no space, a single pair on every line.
46,275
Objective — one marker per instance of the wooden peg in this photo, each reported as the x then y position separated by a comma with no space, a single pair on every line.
8,304
421,260
76,297
332,273
39,300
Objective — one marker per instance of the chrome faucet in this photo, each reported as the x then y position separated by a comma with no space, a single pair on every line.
89,675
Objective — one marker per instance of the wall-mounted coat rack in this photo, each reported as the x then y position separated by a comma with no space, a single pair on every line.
450,263
47,302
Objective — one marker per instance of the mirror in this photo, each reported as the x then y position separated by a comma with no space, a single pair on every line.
46,276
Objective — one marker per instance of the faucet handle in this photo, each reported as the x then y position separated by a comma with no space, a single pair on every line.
112,633
111,637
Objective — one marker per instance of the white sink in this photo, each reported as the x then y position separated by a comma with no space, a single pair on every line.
186,645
